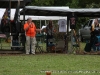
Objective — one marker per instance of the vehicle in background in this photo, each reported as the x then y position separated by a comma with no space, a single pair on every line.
84,32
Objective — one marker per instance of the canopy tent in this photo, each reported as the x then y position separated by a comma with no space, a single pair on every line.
33,17
43,11
5,3
61,11
43,17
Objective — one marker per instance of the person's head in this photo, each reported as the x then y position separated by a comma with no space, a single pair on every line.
96,21
29,20
50,23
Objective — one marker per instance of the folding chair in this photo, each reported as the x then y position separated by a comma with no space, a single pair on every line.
39,47
51,45
76,47
76,44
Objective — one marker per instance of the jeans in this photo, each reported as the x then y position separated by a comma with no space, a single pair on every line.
15,43
96,48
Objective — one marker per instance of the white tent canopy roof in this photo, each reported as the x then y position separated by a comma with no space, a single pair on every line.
61,11
33,17
44,17
48,7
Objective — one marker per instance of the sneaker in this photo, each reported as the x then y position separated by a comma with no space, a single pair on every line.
27,53
33,53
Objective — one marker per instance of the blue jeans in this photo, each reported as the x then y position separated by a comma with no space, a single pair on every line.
15,43
96,48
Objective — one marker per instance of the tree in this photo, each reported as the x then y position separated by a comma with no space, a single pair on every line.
42,2
71,4
61,2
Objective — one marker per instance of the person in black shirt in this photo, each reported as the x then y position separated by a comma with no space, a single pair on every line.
49,31
94,32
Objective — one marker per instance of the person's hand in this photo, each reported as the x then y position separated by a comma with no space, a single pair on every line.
39,29
29,24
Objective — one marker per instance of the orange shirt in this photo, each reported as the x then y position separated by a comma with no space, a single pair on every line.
31,31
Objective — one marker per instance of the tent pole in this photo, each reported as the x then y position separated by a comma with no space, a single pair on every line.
45,22
23,36
10,14
40,28
71,50
9,20
40,25
24,12
67,35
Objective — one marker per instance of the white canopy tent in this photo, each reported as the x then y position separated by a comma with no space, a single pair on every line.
62,11
33,17
46,11
43,17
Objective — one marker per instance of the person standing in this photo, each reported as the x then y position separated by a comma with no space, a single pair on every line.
30,31
50,31
94,32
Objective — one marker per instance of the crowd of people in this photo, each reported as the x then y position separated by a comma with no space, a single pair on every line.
30,31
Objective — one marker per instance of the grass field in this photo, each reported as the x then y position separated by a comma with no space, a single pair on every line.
58,64
6,45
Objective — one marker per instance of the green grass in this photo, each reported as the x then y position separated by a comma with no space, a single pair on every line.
6,45
59,64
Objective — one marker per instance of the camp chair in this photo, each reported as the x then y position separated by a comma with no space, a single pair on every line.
39,47
51,45
76,44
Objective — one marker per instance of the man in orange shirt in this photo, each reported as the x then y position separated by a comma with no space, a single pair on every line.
30,30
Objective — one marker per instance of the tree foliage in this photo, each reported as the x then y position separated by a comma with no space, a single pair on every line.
71,4
42,2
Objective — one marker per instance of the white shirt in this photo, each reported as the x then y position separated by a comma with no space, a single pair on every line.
62,25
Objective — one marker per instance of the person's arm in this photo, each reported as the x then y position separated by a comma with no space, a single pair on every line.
92,28
38,30
43,30
99,25
26,27
74,32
